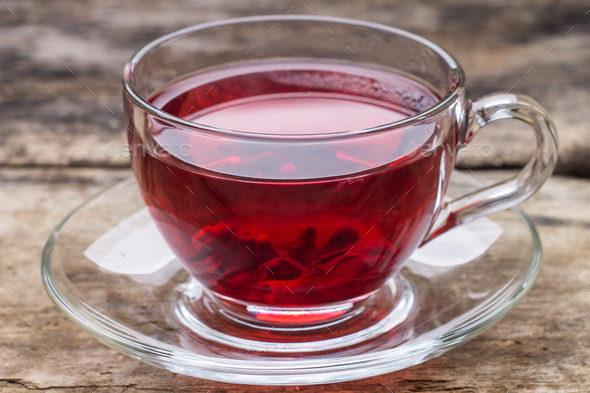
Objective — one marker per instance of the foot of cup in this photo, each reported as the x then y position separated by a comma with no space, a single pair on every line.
291,330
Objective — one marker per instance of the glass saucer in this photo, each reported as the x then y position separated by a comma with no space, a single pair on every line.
107,268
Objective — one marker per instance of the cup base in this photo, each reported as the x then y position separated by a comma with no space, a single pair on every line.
207,316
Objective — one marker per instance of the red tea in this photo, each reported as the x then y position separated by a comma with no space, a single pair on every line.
288,223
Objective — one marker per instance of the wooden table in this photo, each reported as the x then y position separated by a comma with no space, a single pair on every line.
61,116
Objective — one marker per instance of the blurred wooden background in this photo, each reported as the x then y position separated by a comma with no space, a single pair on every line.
61,67
61,132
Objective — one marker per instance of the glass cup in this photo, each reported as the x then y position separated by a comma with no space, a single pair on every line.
296,229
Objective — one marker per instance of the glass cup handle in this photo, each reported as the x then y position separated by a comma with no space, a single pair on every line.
514,190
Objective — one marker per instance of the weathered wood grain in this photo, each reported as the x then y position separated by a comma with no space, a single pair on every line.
539,347
60,62
60,107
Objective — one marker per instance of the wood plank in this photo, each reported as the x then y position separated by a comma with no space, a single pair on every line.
538,347
60,93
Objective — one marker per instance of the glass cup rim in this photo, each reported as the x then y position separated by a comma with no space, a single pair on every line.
443,103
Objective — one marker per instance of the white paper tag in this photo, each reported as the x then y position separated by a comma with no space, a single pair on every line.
132,247
459,245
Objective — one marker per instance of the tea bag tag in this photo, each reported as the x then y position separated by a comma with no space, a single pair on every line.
460,245
134,247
